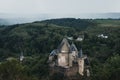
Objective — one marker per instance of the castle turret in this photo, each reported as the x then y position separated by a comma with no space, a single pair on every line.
54,52
74,51
81,62
80,54
52,55
64,54
73,47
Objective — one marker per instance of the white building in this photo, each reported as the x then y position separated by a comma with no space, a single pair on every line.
21,57
102,36
80,38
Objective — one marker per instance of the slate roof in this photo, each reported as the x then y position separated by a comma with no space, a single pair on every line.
80,54
64,46
54,52
73,47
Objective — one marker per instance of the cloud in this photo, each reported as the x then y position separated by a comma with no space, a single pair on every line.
59,6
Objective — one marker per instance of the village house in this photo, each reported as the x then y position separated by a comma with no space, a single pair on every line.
80,38
102,36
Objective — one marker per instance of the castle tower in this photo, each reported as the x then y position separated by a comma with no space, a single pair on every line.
74,51
80,54
63,55
81,63
52,54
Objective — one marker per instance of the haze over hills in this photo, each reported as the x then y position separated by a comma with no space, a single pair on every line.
9,19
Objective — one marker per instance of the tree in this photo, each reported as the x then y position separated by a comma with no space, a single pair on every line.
13,70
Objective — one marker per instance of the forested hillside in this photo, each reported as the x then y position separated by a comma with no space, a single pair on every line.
36,40
71,22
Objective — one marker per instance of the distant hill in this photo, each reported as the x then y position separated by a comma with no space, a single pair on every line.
4,22
100,16
82,23
9,19
70,22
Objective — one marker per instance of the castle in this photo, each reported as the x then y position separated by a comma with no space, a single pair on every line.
68,57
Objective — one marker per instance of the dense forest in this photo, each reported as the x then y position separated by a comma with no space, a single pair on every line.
36,40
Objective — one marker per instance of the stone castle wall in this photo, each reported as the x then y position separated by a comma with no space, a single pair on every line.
63,60
81,66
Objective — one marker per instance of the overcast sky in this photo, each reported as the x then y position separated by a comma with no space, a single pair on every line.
59,6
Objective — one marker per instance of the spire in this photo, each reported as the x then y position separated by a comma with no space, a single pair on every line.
80,54
73,47
64,46
54,52
21,56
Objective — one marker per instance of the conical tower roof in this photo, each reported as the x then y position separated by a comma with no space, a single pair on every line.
54,52
73,47
64,46
80,54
